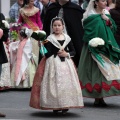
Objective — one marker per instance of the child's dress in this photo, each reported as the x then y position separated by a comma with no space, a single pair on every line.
58,84
23,65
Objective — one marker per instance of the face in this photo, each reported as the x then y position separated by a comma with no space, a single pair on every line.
101,4
53,0
109,1
57,27
44,2
31,2
20,2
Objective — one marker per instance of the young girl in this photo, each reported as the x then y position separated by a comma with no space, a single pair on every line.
59,87
23,65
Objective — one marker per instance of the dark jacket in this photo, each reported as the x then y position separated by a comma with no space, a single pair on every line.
115,14
3,56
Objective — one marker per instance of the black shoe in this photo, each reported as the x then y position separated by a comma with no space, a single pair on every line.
97,103
64,111
2,115
102,103
56,111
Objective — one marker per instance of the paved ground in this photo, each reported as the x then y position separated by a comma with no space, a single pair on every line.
15,104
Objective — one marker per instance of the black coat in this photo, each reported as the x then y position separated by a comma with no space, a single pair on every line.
115,14
3,56
72,17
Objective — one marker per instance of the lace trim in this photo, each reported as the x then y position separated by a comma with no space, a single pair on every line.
30,13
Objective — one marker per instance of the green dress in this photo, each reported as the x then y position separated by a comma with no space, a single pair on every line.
93,83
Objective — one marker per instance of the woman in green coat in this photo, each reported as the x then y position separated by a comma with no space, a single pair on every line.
99,63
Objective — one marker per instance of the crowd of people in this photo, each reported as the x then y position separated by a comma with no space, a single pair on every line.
81,58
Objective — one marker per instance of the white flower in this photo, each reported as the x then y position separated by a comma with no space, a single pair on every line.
28,32
5,23
96,41
16,25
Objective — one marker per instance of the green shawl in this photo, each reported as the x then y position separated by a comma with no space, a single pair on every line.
95,26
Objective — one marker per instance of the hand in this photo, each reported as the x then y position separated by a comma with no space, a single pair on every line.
104,16
62,53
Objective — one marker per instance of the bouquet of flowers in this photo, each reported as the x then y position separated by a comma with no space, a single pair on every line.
95,42
14,35
40,35
15,27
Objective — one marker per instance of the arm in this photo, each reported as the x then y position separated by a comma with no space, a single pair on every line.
71,50
51,49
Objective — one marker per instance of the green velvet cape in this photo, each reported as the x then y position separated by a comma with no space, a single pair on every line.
95,26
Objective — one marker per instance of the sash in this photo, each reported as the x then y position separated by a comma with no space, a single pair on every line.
19,58
30,23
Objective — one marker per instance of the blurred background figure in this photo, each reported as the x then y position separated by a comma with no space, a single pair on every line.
46,4
30,18
84,4
75,1
39,5
110,4
4,64
115,14
14,10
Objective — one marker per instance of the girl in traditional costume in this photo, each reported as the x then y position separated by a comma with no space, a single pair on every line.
56,84
30,17
23,63
99,70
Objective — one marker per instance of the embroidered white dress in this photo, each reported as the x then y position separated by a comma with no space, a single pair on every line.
60,87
